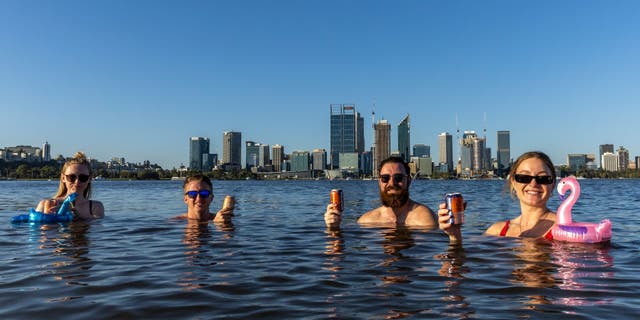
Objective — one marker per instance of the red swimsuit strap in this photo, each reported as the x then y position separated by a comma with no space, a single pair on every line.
503,232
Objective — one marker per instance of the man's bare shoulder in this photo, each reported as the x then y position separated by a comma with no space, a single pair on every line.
370,216
421,215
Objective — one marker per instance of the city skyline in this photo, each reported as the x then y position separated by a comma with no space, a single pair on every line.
561,80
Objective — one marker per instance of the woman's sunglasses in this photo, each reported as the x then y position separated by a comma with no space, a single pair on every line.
523,178
81,177
194,194
397,178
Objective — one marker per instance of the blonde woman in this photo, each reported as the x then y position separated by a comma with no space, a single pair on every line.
75,177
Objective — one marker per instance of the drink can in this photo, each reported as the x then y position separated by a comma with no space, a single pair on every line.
455,204
229,202
337,199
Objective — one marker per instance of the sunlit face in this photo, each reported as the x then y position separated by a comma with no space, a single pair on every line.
76,178
198,203
533,193
394,192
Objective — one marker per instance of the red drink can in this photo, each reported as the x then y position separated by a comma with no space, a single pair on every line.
337,199
455,204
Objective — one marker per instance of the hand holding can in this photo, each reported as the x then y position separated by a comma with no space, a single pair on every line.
229,203
49,205
455,204
337,199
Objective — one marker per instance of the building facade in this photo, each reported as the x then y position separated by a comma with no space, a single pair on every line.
347,131
382,149
445,149
198,146
503,154
231,148
404,139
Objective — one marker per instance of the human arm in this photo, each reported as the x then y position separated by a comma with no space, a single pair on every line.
332,217
444,223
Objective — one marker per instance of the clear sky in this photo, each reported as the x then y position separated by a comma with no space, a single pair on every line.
136,79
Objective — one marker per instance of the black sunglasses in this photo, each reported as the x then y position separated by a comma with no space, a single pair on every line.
397,178
72,177
523,178
194,194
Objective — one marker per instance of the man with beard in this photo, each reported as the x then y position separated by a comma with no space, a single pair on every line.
397,208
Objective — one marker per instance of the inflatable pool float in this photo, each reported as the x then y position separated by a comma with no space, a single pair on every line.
64,214
567,230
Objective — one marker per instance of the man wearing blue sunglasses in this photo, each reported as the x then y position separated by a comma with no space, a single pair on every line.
397,208
198,195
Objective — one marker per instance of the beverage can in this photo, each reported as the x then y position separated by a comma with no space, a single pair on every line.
229,202
455,204
337,199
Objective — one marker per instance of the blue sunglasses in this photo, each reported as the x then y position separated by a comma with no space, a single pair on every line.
194,194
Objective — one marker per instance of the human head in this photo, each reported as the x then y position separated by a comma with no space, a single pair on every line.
394,194
79,161
198,177
197,206
525,156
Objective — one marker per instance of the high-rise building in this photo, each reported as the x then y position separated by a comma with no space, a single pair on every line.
609,161
46,151
445,145
604,148
319,161
466,151
300,161
382,149
503,155
277,156
404,140
264,156
623,158
347,131
232,148
197,147
252,153
421,150
577,161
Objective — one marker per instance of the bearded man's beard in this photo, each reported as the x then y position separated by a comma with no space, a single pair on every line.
394,200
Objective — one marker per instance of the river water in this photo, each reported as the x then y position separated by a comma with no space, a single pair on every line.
278,260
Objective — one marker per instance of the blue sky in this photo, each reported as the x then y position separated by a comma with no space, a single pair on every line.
136,79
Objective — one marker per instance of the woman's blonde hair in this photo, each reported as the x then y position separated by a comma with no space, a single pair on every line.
78,158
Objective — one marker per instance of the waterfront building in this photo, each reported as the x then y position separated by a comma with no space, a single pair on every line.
445,149
349,162
197,147
609,161
300,161
264,158
576,161
251,154
366,163
604,148
382,148
277,156
231,148
623,158
404,140
319,162
347,131
503,154
209,161
421,150
424,166
637,162
46,152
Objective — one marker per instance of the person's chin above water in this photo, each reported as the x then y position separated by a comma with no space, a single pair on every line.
394,197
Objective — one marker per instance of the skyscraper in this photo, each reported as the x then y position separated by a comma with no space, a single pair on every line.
503,155
445,146
623,158
421,150
231,148
347,131
604,148
300,161
404,140
251,152
277,157
383,144
264,156
46,151
197,147
319,159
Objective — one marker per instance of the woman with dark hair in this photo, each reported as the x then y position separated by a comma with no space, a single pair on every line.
531,180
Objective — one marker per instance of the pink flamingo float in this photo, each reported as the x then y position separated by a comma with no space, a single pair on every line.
567,230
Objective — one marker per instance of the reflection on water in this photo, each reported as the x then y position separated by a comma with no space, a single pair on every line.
279,261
